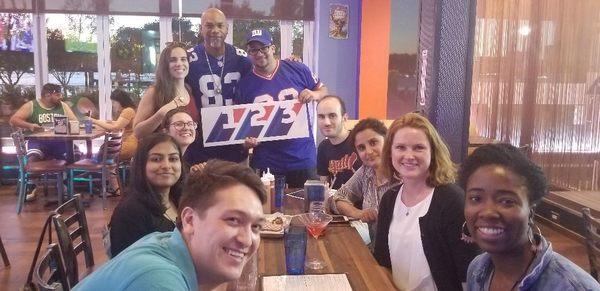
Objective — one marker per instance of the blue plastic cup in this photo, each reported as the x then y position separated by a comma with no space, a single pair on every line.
88,126
295,250
279,190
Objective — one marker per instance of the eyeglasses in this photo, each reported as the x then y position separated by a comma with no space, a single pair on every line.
254,51
180,125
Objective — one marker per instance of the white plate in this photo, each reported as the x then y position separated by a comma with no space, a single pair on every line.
275,234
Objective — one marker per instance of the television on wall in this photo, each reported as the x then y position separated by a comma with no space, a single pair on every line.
15,32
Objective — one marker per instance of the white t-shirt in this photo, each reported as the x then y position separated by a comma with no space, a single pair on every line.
410,269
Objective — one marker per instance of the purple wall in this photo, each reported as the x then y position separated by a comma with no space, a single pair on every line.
337,64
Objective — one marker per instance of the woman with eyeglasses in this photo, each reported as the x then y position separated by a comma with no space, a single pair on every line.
181,127
168,92
150,204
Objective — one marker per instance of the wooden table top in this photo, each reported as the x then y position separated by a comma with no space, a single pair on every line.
340,246
576,200
50,135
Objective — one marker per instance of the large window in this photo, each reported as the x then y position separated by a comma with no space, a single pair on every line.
17,79
536,84
186,30
135,47
73,59
75,41
402,69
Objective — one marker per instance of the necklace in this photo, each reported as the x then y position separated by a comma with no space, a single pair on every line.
220,64
418,198
166,214
180,97
516,284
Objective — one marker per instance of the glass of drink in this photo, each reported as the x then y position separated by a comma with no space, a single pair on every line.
315,222
294,241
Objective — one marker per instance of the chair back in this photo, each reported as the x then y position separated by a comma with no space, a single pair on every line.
50,271
112,148
73,236
20,147
592,240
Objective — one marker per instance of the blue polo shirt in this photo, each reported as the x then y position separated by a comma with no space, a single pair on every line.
158,261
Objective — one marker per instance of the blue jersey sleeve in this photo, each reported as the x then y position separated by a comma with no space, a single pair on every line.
310,80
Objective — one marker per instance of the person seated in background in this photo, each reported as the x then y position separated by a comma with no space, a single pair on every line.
503,187
181,127
336,157
369,182
124,108
168,92
418,231
33,114
151,203
217,232
275,80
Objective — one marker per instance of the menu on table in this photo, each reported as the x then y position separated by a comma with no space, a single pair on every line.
319,282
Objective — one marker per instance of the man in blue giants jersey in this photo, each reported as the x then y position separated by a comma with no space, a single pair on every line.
278,80
214,71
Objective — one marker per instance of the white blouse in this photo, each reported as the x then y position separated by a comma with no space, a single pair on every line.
410,269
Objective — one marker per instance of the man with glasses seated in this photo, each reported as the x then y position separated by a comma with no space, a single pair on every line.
214,71
278,80
217,232
35,113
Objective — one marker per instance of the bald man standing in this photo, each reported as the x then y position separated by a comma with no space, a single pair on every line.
214,71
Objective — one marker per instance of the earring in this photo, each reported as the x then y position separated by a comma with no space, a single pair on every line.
464,234
535,238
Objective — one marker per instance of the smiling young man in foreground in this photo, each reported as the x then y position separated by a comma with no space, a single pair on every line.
217,231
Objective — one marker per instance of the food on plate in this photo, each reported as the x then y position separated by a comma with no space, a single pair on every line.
274,224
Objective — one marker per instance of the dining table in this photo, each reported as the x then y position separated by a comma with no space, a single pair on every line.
69,138
340,247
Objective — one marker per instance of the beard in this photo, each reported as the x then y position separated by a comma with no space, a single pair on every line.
215,42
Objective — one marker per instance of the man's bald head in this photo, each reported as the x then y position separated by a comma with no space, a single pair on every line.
211,12
214,30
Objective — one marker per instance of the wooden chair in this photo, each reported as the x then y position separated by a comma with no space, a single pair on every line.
50,271
3,253
108,163
73,236
592,240
28,170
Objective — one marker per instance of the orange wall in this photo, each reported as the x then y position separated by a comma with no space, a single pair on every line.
374,57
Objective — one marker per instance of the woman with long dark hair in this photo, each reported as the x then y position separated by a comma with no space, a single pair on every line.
168,92
151,203
369,182
124,108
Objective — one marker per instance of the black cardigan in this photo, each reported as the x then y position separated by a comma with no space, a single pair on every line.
132,220
447,256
